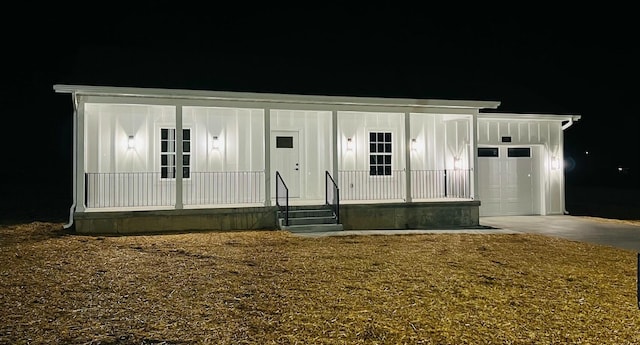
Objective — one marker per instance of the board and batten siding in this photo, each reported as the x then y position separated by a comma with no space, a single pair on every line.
240,136
548,135
314,133
440,139
107,131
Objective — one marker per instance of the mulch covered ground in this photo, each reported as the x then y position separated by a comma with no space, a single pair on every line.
271,287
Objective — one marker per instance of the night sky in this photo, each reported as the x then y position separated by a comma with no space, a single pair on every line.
533,60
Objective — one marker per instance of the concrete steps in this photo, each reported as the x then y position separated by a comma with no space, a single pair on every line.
312,218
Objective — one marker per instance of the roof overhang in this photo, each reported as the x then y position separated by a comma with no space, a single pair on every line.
271,97
528,117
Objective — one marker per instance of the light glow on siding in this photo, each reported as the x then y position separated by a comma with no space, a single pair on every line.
457,164
215,143
349,144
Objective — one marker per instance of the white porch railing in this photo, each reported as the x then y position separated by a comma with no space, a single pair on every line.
425,185
360,185
223,187
130,189
438,184
148,189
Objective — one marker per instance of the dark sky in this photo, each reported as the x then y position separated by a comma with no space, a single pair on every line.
534,60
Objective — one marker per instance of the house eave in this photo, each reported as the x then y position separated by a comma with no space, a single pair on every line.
272,97
528,116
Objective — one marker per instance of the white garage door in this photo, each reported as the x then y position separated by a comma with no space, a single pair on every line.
509,182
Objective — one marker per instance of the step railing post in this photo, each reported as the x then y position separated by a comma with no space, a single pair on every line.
282,208
335,193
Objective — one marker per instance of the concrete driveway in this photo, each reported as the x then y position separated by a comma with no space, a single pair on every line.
576,228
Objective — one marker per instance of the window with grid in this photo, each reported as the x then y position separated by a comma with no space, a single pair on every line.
380,153
168,152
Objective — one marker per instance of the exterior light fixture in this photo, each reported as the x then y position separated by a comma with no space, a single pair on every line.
414,145
554,163
349,144
131,143
215,143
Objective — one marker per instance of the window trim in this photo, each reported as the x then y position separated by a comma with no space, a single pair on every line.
172,174
497,151
377,154
518,149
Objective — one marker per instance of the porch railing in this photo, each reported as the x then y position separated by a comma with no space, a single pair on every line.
332,195
360,185
436,184
223,187
149,189
282,198
128,189
425,184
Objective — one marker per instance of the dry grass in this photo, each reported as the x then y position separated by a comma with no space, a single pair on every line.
275,288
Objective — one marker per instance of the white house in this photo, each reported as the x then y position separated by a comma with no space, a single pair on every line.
166,159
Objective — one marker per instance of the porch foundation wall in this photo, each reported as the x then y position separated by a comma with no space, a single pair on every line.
415,215
139,222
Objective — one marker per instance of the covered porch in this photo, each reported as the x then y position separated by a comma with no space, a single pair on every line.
157,150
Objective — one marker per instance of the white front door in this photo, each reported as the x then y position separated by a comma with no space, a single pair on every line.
285,159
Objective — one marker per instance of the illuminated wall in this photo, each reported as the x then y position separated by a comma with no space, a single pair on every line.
314,132
354,156
441,141
239,134
107,131
546,137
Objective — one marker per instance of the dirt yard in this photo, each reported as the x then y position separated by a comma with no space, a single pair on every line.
271,287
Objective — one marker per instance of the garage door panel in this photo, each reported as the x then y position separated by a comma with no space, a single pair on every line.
489,185
506,184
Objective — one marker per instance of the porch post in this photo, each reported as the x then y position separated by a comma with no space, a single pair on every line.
474,156
407,155
267,157
560,158
179,148
334,153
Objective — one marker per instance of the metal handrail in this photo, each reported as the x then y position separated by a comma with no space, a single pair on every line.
335,202
284,209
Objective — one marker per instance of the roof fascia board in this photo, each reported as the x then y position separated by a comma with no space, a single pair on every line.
272,105
529,117
272,97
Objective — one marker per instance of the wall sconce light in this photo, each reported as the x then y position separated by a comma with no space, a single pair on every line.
414,145
349,144
215,143
457,163
554,163
131,143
